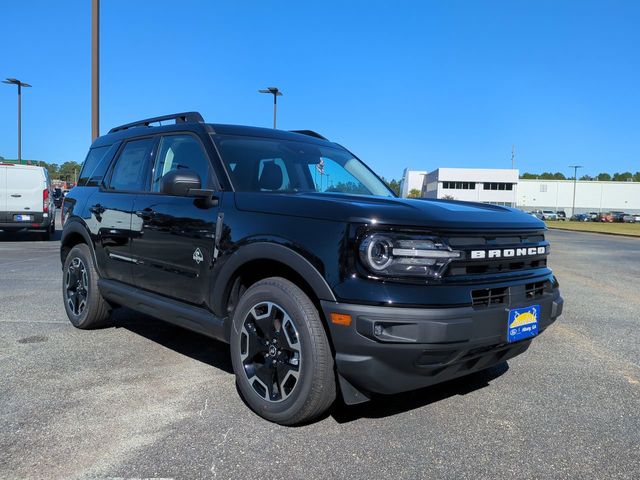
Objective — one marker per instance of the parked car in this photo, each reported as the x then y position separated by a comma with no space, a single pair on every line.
617,215
537,213
612,216
561,215
549,215
58,196
631,218
321,288
581,217
594,216
26,201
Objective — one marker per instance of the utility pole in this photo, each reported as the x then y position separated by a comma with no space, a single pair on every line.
575,181
276,93
15,81
95,69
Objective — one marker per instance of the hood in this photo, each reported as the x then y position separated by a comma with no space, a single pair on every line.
440,214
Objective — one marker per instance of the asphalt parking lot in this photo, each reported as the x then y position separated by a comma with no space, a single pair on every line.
145,399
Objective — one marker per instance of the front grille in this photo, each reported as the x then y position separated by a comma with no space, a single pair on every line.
486,297
495,267
509,245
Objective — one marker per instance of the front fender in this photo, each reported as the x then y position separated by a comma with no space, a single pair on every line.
267,251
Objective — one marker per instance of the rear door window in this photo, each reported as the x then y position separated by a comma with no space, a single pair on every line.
129,173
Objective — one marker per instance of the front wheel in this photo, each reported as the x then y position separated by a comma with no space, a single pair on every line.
281,354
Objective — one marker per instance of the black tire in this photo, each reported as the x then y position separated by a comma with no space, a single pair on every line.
86,309
277,301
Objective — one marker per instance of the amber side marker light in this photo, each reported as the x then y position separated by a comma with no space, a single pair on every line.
341,319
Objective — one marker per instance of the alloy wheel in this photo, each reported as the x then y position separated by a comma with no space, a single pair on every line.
270,351
76,286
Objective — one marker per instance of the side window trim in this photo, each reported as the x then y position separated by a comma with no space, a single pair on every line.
151,160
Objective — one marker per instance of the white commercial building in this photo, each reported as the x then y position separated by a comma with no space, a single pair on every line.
503,187
495,186
591,196
411,180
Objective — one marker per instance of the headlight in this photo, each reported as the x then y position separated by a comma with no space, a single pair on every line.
400,255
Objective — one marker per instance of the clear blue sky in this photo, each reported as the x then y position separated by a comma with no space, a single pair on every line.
402,84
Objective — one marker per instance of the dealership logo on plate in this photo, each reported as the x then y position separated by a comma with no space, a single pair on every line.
523,323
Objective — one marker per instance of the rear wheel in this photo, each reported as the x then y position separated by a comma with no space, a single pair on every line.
83,303
281,354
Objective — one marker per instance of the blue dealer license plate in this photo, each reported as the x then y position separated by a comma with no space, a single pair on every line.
523,323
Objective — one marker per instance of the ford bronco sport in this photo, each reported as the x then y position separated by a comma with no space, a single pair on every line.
288,247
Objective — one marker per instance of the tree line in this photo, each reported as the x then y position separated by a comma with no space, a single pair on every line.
68,171
394,185
603,177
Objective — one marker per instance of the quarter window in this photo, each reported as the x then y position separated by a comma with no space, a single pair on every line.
94,167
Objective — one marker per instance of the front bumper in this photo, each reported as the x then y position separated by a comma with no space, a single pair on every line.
389,350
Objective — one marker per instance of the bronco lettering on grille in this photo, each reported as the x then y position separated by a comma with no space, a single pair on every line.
507,253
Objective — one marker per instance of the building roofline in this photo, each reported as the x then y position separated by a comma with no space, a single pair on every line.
614,182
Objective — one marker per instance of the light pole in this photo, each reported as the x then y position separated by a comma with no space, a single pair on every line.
95,69
276,93
575,181
15,81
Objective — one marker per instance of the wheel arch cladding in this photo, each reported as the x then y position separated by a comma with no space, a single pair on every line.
73,234
261,260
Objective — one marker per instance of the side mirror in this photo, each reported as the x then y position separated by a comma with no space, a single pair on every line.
179,183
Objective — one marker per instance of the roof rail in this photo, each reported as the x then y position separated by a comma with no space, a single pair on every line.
178,117
310,133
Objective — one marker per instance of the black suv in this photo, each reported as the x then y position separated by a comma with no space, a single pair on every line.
288,247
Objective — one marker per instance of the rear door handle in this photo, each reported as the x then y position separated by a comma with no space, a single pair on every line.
16,195
146,214
97,209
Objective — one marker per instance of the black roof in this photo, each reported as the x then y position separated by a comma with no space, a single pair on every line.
192,121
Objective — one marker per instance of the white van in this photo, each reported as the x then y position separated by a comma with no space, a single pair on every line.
26,200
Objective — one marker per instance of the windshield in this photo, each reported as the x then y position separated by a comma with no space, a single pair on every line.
275,165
